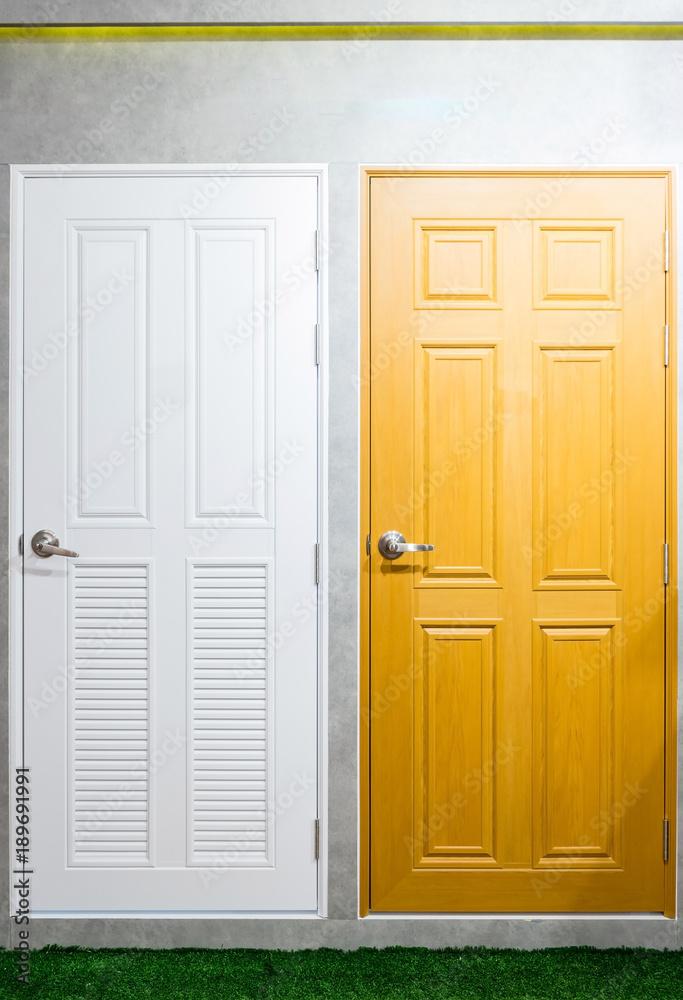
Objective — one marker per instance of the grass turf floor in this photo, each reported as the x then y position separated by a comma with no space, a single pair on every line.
365,974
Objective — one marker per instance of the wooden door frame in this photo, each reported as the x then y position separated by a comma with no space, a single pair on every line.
671,493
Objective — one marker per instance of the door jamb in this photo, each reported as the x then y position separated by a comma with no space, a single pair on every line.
19,174
671,494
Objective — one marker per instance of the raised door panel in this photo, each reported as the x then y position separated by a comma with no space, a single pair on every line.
108,343
458,265
456,495
578,705
455,761
230,366
577,265
576,467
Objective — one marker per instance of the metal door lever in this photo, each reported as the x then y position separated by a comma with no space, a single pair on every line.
392,544
45,543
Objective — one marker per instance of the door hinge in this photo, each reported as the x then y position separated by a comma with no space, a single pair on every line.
317,343
666,840
368,545
317,249
317,562
317,839
666,563
666,250
666,345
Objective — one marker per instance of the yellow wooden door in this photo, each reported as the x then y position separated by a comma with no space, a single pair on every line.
517,425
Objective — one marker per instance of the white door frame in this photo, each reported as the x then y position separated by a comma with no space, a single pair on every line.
207,188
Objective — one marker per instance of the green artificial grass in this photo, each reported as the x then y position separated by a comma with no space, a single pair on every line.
365,974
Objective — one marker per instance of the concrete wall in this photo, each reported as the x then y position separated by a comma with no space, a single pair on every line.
343,102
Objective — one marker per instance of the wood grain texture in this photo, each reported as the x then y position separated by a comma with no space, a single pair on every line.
671,721
556,502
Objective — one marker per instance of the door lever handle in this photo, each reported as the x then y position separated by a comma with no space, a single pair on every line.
45,543
392,544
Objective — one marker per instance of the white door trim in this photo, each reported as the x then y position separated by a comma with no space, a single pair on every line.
18,176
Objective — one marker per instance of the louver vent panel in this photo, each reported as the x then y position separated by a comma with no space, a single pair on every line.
109,704
230,745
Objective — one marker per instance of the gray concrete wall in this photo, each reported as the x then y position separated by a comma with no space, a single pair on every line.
338,11
348,102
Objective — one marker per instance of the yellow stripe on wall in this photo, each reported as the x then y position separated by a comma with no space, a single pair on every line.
336,32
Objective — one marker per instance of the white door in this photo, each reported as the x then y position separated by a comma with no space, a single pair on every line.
170,671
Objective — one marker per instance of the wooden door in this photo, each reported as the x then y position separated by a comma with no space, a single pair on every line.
518,426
